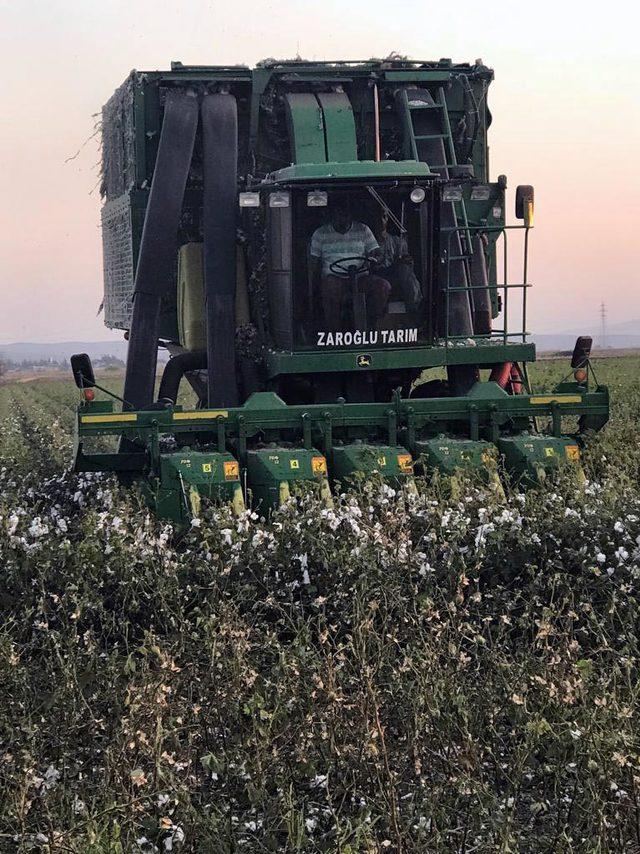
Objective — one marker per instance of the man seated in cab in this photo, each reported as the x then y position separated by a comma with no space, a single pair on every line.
396,265
344,238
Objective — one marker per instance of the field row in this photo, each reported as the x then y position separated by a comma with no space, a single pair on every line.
401,673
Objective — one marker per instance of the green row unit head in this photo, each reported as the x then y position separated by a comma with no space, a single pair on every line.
272,473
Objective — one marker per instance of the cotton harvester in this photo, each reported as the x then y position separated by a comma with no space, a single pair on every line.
307,242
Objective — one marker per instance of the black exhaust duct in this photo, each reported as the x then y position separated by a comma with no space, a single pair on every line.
158,246
175,369
220,148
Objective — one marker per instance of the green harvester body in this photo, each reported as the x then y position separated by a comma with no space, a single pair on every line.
214,180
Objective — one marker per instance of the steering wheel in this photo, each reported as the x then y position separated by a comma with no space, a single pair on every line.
355,264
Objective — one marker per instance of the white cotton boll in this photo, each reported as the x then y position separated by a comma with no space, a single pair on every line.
37,528
177,836
331,517
51,777
601,558
145,845
619,528
481,533
261,537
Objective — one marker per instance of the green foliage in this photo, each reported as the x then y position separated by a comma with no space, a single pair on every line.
447,672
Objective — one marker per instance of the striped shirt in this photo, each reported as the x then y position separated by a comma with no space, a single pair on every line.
329,245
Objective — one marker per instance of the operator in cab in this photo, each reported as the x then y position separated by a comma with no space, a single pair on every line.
396,265
340,239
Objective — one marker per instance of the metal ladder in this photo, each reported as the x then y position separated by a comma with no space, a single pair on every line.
441,106
446,136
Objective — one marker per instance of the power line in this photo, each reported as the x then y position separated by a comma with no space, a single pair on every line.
603,326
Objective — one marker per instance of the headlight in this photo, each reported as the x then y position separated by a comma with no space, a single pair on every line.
452,193
480,193
249,200
317,199
279,200
417,195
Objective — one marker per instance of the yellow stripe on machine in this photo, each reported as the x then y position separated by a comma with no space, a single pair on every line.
565,398
108,419
200,414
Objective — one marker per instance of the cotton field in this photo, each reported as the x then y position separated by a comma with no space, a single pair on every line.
447,671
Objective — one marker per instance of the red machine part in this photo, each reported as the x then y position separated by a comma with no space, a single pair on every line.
508,376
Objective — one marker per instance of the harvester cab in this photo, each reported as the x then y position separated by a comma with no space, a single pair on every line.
346,261
321,252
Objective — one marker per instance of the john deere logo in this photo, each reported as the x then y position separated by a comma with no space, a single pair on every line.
363,360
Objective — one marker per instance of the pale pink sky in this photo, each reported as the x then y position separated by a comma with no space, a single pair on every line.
566,119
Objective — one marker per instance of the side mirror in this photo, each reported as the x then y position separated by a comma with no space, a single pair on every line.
524,204
581,352
82,371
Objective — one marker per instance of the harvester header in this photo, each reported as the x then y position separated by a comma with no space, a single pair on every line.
307,242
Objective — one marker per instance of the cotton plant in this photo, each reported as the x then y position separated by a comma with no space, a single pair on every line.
443,670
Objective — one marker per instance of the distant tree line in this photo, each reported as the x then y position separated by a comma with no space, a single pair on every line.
57,364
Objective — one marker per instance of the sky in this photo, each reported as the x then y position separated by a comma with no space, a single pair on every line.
565,106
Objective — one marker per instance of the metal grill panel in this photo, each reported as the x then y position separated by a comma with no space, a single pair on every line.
117,250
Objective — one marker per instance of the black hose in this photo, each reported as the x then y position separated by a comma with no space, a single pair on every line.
158,246
175,369
219,116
